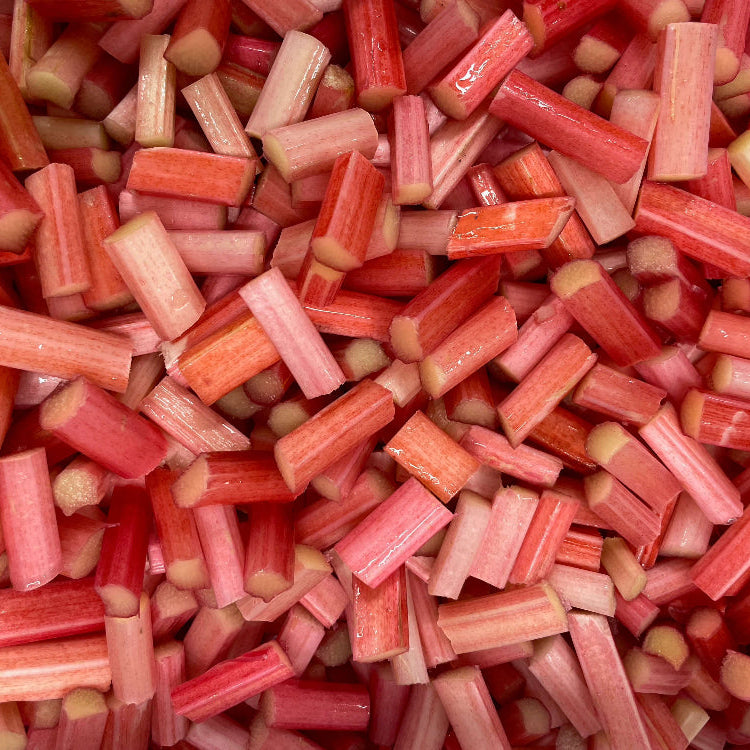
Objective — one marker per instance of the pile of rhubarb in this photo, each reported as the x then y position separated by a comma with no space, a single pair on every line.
374,374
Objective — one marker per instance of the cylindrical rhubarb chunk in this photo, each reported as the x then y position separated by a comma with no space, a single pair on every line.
102,428
231,682
27,516
119,573
596,302
465,86
347,215
19,212
156,275
198,39
312,447
544,387
372,31
291,84
155,94
573,131
684,79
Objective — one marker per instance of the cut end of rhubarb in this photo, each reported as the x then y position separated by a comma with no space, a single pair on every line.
286,417
662,301
433,377
726,67
58,408
691,412
574,276
82,703
595,56
334,255
196,53
107,165
532,17
188,574
286,468
118,601
134,225
275,153
87,557
44,85
266,584
405,339
664,13
651,255
598,488
412,195
189,488
15,229
74,489
327,488
668,643
735,675
721,375
364,357
379,97
449,101
10,740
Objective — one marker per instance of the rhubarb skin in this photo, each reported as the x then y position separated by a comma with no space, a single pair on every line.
230,682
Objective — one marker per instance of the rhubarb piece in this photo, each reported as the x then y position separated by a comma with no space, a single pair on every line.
372,31
714,419
596,201
622,567
668,643
269,559
98,221
300,346
27,515
168,728
723,566
510,227
128,725
463,88
311,147
511,514
198,39
82,719
223,549
433,457
444,37
231,682
291,84
309,705
528,174
611,393
411,167
544,387
310,568
81,543
88,418
282,18
210,637
119,574
60,255
735,671
469,707
684,81
454,146
702,229
556,667
607,681
502,619
409,517
42,671
425,723
347,215
131,654
156,93
57,75
170,172
156,275
171,608
440,309
315,445
573,131
695,469
548,23
61,609
183,557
